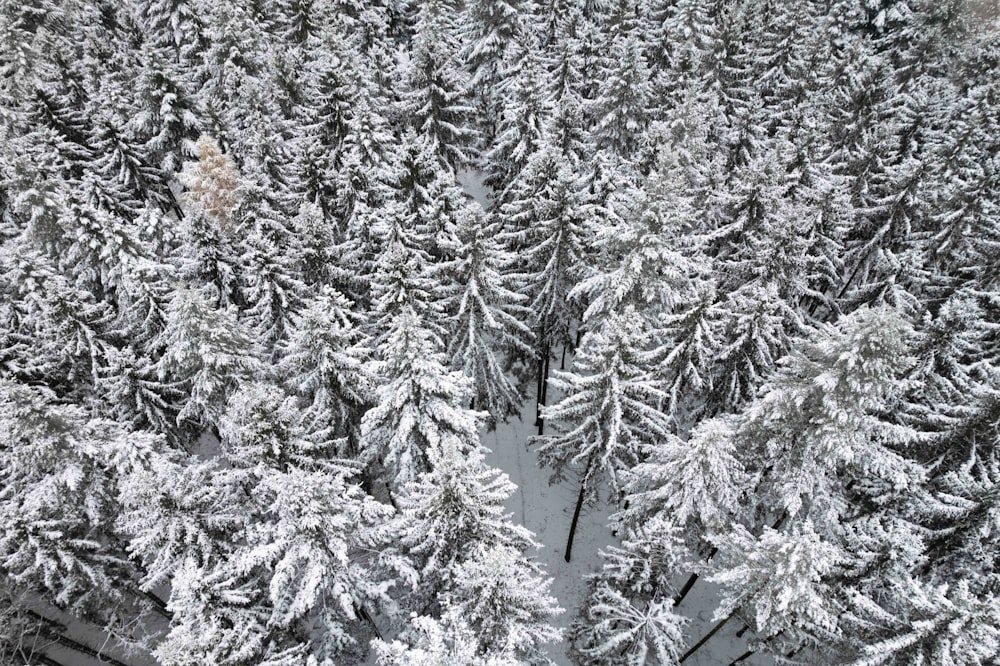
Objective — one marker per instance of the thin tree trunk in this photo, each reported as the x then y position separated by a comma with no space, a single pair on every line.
363,612
705,638
33,659
576,510
562,363
49,631
544,391
388,492
739,634
159,605
743,657
794,652
539,398
692,579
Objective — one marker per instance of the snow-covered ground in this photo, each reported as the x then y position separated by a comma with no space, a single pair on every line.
546,510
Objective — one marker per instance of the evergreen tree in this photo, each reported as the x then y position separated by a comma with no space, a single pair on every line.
324,363
60,543
507,602
548,220
448,512
610,413
435,101
418,403
627,618
438,641
206,351
489,29
488,317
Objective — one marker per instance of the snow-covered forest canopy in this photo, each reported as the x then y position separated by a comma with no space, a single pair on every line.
273,272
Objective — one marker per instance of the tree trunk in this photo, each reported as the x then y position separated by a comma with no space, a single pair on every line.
562,363
49,631
33,659
739,634
544,378
692,579
705,638
576,510
541,387
366,616
538,391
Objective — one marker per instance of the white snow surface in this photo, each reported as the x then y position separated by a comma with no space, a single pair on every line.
547,509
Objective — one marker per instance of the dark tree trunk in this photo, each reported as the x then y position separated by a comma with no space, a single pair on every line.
539,388
543,379
705,638
692,579
49,630
576,510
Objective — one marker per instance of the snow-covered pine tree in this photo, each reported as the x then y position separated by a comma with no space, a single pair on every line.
947,623
308,562
57,332
436,100
548,226
521,122
507,602
776,581
487,318
418,403
207,352
627,618
60,542
429,640
325,363
447,513
621,110
489,30
610,413
641,261
828,471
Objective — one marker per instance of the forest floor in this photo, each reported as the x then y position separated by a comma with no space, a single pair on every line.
547,509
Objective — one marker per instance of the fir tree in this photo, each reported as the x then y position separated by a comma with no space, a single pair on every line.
488,317
610,413
418,403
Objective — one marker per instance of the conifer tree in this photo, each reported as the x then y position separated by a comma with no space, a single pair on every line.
547,215
487,318
60,542
436,100
627,618
489,29
609,415
324,362
207,351
507,602
418,403
450,511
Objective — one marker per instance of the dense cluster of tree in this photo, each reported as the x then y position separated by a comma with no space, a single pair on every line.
252,325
